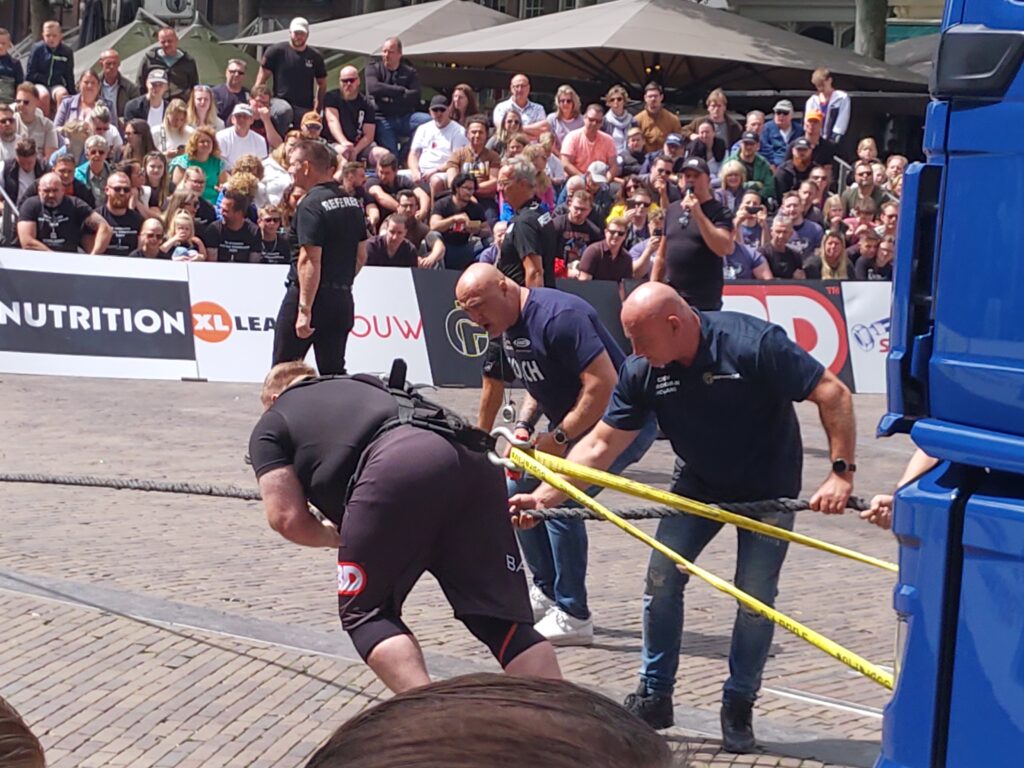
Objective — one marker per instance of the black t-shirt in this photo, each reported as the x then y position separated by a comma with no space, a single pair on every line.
126,231
377,253
138,254
234,245
783,263
226,101
60,228
276,251
333,220
598,262
206,214
353,115
729,414
399,183
530,231
866,269
294,73
458,233
573,239
320,428
694,270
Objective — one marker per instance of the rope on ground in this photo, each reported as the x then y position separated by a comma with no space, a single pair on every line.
860,664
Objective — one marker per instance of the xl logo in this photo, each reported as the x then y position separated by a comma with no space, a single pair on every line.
351,579
466,337
807,317
211,322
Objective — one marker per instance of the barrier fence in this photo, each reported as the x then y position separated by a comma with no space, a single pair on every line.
76,315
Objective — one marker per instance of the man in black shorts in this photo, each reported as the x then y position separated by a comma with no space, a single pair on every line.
394,513
328,237
527,256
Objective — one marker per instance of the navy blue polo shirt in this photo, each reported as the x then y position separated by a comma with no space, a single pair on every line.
729,415
556,337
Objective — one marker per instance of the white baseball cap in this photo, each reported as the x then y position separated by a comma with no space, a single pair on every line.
299,24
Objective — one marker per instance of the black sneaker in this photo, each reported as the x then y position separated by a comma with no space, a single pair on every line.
737,726
652,708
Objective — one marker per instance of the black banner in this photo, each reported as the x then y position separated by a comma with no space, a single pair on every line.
103,316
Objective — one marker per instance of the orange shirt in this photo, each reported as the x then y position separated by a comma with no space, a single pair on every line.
656,127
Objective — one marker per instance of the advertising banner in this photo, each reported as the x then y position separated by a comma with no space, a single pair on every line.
867,314
811,314
234,312
71,315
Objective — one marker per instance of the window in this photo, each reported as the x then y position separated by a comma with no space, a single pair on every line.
566,5
494,5
531,8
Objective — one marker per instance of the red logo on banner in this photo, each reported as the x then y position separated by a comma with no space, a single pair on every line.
211,322
805,314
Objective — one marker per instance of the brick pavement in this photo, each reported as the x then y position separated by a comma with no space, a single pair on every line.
217,558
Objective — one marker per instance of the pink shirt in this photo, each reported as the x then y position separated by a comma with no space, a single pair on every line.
582,152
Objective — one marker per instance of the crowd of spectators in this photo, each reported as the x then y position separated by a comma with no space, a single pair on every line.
155,164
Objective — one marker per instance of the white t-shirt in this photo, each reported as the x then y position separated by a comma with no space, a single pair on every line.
437,144
232,146
25,180
7,149
155,116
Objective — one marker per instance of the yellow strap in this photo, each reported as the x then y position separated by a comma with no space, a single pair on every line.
852,660
633,488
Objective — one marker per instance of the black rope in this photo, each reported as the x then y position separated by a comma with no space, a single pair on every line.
748,508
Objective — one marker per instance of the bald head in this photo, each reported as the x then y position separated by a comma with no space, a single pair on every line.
661,325
491,299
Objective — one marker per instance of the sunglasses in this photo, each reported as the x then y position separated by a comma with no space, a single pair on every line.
6,120
616,232
781,112
97,152
614,99
271,218
120,189
349,80
439,109
235,72
639,203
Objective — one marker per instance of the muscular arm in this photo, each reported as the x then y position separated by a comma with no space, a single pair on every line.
309,274
334,126
718,240
763,272
659,269
262,77
103,233
533,268
360,256
570,168
288,512
598,380
835,407
27,231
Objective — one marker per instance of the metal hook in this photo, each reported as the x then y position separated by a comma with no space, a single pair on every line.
509,436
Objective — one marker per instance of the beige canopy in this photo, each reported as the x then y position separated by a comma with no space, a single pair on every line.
413,24
682,44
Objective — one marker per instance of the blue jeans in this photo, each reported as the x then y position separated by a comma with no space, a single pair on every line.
758,564
557,550
391,130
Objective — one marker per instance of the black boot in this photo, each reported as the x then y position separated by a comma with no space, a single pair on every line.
737,726
654,709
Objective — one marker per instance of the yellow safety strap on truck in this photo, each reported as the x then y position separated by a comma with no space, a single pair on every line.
534,466
641,491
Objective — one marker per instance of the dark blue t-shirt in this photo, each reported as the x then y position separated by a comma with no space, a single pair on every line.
556,337
729,415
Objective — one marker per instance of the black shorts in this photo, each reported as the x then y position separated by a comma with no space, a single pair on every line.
495,364
422,503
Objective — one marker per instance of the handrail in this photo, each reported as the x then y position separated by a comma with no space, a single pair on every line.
8,235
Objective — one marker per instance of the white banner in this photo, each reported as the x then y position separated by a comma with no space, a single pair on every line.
868,305
234,309
69,314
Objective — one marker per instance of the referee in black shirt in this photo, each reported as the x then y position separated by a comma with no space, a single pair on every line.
698,237
527,256
328,236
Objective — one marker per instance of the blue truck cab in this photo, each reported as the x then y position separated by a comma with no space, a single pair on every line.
956,384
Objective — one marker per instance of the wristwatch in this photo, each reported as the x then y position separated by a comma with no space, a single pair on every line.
842,466
559,436
524,425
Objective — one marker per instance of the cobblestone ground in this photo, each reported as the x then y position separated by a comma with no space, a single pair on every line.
159,630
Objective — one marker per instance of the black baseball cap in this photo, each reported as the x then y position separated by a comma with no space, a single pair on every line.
439,102
750,136
801,143
696,164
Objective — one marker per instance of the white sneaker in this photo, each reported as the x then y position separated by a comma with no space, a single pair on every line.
540,602
562,629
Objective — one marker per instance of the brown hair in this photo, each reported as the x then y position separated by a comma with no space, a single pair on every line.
280,376
472,105
490,720
19,748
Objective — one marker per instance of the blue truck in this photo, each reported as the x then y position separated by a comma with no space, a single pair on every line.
956,384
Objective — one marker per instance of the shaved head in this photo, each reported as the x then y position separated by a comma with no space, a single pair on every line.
490,298
661,325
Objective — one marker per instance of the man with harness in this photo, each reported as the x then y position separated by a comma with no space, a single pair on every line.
407,488
722,386
568,362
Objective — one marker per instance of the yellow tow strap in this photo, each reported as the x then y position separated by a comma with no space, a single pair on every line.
641,491
525,461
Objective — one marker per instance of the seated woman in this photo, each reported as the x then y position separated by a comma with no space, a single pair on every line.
201,151
831,263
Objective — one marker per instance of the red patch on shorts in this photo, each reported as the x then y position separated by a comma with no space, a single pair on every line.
351,579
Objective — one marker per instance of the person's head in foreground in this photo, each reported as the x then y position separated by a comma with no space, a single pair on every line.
19,748
490,720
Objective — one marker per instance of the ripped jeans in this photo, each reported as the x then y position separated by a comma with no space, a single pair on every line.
758,565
